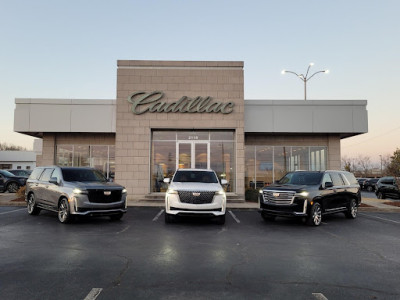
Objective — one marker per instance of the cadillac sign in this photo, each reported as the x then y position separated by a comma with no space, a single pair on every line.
143,102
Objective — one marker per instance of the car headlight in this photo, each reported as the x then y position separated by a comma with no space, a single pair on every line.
220,192
124,191
260,191
303,194
172,191
78,191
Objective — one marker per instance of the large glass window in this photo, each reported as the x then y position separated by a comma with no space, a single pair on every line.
266,164
192,149
100,157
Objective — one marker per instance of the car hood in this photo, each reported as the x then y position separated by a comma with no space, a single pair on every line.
288,187
195,186
92,185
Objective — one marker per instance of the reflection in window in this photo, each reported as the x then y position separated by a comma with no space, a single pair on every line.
222,161
163,162
266,164
100,157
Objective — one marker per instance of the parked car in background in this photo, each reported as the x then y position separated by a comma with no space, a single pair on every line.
195,192
361,181
9,182
72,191
369,184
21,172
388,187
310,195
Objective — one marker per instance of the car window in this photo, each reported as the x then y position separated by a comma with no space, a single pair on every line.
327,178
46,174
36,173
301,178
350,178
195,176
337,180
56,174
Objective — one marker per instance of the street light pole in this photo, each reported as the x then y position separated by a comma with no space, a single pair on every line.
305,78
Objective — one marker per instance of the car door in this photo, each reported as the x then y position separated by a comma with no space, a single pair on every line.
43,188
328,192
339,198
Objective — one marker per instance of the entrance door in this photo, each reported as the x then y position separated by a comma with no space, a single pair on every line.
193,154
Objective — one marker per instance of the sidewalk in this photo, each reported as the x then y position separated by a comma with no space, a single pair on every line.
377,205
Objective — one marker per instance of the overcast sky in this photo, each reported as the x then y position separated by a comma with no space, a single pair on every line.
69,49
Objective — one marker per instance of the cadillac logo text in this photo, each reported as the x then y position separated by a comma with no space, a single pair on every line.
143,102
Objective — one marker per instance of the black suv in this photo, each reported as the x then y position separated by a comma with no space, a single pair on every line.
9,182
387,187
311,194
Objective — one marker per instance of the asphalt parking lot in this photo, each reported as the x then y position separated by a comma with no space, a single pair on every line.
141,257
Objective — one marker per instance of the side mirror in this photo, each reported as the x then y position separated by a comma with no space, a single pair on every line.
53,180
224,181
167,180
328,184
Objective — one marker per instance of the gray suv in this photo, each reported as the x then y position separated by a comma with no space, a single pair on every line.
73,191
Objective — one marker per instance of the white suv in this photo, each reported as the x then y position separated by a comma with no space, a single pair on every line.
195,192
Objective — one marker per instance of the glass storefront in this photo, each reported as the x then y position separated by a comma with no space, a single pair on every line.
265,164
101,157
192,149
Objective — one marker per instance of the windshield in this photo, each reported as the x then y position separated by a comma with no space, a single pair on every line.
83,175
195,176
301,178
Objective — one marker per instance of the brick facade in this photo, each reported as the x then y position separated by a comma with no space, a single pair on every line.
223,81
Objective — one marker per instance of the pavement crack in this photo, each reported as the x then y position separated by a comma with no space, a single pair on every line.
121,274
244,259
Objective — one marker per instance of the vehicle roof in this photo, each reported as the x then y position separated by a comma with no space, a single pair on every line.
209,170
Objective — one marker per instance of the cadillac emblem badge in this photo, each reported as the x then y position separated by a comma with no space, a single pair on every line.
107,193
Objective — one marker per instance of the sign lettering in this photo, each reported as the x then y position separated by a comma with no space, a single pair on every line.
143,102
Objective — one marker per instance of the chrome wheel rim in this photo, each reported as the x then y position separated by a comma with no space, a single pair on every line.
317,215
31,203
63,211
353,209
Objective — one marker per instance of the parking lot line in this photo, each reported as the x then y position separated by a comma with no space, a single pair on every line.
234,217
11,211
319,296
158,215
94,293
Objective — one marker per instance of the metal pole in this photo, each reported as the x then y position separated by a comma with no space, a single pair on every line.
305,90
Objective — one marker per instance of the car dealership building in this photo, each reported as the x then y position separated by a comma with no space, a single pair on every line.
189,114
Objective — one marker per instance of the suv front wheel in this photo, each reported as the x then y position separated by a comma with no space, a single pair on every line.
351,213
315,216
64,215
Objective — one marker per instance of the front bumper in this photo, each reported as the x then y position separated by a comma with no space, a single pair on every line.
173,206
297,209
80,205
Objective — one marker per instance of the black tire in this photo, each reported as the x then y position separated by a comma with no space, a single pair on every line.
31,205
381,195
351,213
12,187
369,188
315,217
169,218
64,214
267,218
116,217
221,220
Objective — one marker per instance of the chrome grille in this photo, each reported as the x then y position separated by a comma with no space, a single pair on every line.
279,197
98,196
196,197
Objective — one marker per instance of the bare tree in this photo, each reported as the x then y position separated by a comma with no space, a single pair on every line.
364,162
5,147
